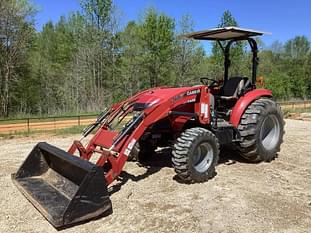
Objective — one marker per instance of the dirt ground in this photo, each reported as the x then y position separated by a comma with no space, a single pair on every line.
266,197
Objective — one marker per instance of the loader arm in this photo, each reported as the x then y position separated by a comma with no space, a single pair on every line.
114,147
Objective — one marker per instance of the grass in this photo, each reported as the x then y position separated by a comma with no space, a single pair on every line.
69,131
45,118
40,116
15,121
299,110
288,112
58,132
15,134
42,120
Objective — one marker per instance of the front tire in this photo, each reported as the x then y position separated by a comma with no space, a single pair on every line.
142,151
262,130
195,155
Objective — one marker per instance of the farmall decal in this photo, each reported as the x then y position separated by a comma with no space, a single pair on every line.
178,97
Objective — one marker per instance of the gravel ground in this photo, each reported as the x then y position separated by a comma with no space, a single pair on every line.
266,197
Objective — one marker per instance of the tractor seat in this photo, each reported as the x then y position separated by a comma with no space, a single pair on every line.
233,88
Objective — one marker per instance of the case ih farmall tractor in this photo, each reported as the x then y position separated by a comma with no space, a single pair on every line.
196,121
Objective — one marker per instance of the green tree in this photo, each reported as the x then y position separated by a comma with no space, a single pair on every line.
54,49
97,12
189,56
94,65
133,73
157,38
16,30
286,68
237,51
296,64
297,48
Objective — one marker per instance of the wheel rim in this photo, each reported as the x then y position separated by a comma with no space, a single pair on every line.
270,132
203,157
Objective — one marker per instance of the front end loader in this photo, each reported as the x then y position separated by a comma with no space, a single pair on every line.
67,188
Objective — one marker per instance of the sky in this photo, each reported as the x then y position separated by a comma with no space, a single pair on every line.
285,19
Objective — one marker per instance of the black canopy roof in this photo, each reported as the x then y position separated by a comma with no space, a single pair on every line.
226,33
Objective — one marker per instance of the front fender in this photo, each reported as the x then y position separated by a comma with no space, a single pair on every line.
241,105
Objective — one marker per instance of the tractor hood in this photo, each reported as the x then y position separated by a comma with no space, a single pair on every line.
157,96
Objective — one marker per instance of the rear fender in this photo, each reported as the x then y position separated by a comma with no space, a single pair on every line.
241,105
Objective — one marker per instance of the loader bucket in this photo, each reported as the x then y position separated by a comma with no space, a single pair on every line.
63,187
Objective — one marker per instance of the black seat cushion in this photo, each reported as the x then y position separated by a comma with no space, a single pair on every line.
231,86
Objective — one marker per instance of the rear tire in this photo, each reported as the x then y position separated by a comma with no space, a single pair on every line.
262,129
195,155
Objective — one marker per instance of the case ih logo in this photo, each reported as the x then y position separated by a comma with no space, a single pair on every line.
193,92
188,93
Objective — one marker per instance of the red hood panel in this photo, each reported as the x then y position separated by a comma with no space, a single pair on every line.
162,94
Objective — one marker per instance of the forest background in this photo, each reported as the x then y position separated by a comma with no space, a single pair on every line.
86,61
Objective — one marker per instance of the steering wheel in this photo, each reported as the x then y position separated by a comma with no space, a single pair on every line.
205,81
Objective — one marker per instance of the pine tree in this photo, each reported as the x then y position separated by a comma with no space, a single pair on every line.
237,54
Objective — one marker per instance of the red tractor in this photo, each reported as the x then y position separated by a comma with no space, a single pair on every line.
196,121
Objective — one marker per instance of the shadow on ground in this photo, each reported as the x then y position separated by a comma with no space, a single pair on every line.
229,156
162,158
159,160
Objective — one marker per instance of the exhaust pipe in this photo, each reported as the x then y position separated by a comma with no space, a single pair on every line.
64,188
